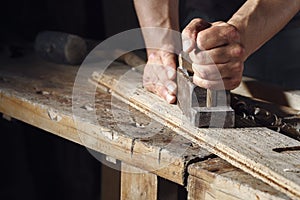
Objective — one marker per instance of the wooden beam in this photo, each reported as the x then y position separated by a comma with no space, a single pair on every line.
110,183
137,184
217,179
40,93
250,149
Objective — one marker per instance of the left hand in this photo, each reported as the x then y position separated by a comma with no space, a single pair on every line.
216,52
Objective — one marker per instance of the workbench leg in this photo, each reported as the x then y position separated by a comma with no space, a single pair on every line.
137,184
201,189
110,183
196,189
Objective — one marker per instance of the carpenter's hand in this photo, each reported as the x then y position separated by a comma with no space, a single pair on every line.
159,75
216,53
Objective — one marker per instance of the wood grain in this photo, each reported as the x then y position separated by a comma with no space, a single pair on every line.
40,93
250,149
137,184
217,179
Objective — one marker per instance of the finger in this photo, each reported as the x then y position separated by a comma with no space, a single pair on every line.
213,72
220,84
201,57
171,87
150,86
150,77
216,36
218,55
168,59
189,33
208,72
232,83
169,62
162,91
209,84
155,70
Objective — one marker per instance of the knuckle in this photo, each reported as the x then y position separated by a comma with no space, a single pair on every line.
238,67
201,39
207,84
238,51
235,82
189,32
186,31
196,20
232,33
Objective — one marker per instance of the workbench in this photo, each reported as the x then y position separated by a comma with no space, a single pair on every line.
40,93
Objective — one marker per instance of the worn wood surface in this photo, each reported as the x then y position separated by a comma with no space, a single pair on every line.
40,93
137,184
217,179
250,149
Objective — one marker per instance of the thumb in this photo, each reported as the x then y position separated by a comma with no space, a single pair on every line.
190,32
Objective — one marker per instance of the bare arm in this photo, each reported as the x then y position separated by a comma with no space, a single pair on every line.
226,45
159,73
157,13
259,20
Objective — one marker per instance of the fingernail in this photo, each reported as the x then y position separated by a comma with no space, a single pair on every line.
186,44
171,88
170,73
152,55
170,98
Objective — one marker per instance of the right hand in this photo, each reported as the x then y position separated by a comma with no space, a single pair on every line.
216,52
160,73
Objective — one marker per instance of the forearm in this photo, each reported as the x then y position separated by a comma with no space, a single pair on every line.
157,13
259,20
161,14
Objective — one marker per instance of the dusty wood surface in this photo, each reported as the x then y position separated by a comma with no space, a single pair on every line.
137,184
267,92
40,93
217,179
250,149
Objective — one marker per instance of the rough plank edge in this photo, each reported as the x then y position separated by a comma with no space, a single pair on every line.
223,178
37,115
277,181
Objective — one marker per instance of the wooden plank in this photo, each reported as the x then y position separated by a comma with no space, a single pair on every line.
40,94
217,179
30,89
250,149
137,184
267,92
110,183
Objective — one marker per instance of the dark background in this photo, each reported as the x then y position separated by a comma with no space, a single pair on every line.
35,164
87,18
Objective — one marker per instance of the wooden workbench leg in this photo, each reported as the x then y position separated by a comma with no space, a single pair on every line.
197,190
137,184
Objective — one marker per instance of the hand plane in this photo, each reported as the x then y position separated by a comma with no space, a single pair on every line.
203,107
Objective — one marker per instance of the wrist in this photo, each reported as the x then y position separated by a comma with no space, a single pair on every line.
241,26
160,39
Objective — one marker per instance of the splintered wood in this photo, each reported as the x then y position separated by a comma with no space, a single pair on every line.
40,94
250,149
20,97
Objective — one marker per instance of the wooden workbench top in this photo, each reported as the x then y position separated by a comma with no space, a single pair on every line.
40,93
